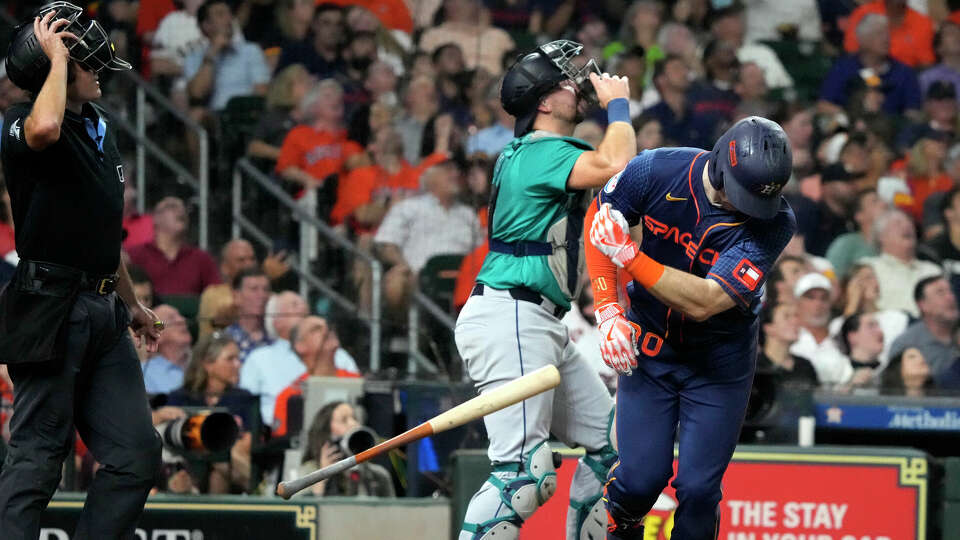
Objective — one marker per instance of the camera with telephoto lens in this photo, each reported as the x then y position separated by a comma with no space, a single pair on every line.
202,432
356,441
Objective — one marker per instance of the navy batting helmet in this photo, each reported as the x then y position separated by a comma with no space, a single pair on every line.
535,74
27,64
752,162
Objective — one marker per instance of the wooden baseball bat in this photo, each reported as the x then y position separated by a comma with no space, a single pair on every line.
513,392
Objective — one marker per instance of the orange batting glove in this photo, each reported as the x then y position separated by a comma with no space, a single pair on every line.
618,338
611,235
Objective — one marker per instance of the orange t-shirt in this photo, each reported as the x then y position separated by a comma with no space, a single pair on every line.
394,14
921,188
360,185
910,43
296,389
319,153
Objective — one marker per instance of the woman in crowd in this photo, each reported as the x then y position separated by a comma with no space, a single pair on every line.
211,381
331,423
860,293
908,373
285,92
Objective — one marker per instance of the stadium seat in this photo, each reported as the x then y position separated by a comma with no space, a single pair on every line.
438,278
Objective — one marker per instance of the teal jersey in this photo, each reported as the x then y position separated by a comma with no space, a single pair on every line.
530,182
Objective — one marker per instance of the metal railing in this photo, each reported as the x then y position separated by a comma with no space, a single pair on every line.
309,226
201,182
416,359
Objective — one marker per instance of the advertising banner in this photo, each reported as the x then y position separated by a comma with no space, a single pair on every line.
791,494
198,518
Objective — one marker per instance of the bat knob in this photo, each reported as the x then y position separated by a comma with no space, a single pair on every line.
282,491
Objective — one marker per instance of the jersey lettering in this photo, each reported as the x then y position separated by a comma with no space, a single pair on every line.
684,239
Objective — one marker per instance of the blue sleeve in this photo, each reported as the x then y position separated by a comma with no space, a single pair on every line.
192,63
742,269
835,85
628,190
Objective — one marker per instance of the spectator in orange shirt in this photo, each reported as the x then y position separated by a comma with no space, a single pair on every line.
925,173
319,147
911,32
315,342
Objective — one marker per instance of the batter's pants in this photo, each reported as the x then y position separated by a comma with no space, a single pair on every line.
501,338
699,401
97,387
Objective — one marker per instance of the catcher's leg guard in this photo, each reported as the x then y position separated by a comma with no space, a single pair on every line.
510,495
586,516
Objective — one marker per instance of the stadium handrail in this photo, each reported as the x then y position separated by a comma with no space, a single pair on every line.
309,223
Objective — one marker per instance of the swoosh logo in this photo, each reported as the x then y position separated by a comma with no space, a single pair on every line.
671,198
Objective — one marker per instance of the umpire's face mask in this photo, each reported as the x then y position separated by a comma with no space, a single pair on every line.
93,49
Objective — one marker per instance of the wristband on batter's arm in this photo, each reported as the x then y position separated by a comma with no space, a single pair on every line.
645,271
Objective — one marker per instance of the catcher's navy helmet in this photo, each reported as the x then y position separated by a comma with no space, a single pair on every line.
752,162
535,74
27,65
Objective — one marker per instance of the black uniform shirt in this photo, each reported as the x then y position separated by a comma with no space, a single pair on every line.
67,199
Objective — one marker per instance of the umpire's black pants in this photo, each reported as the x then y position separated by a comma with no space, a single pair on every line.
99,388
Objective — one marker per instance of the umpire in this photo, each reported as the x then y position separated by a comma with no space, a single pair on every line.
64,317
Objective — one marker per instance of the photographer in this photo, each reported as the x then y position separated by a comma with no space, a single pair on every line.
332,422
211,381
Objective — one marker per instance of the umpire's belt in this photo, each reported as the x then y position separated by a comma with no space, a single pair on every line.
38,275
520,293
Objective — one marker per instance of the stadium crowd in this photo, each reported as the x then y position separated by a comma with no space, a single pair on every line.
384,116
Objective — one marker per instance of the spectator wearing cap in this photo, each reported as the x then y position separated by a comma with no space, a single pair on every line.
163,372
946,42
897,267
319,52
814,343
872,66
420,227
729,24
940,115
780,328
228,66
251,290
465,25
849,247
934,334
174,266
831,217
911,32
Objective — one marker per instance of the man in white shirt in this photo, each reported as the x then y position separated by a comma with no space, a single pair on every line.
897,267
418,228
270,369
814,342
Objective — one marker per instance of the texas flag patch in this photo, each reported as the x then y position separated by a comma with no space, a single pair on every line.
748,274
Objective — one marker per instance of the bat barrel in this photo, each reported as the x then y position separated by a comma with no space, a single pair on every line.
288,489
